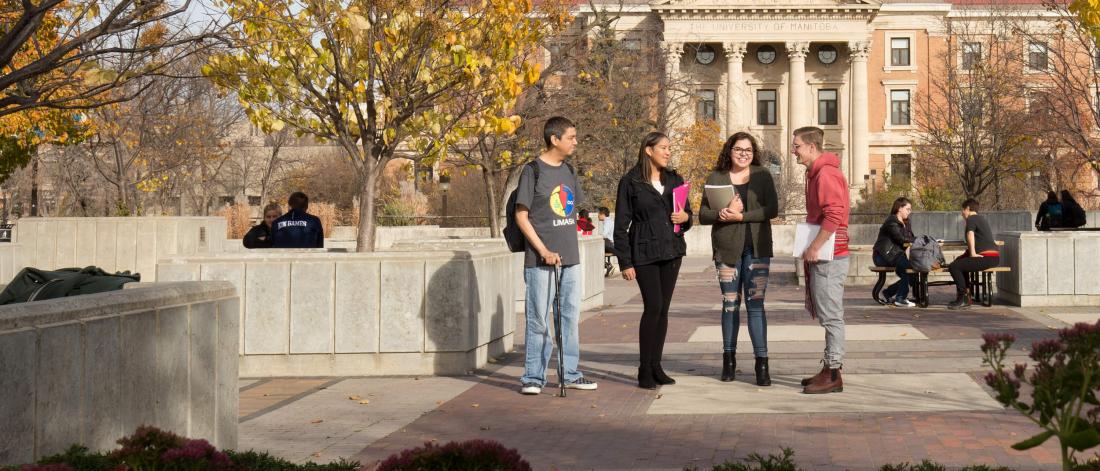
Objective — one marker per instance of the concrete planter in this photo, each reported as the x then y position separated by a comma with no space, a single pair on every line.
113,243
90,369
315,313
1051,269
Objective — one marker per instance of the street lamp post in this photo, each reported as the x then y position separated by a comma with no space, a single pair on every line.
445,185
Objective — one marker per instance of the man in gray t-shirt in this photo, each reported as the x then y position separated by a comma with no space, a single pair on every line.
551,203
546,214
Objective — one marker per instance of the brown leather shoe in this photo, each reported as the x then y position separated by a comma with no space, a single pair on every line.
824,371
828,383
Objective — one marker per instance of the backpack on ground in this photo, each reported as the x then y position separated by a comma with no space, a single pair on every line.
32,284
512,235
925,254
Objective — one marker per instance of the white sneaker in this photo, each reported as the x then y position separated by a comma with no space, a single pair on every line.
904,303
530,389
581,384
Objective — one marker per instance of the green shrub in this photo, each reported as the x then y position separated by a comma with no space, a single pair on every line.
931,466
253,461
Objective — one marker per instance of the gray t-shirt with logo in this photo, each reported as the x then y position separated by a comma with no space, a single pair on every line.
552,210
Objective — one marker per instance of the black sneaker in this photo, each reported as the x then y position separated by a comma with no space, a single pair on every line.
581,383
530,389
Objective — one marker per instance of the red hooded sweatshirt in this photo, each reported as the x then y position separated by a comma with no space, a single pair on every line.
827,199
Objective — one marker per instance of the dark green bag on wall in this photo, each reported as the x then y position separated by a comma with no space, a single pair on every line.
32,284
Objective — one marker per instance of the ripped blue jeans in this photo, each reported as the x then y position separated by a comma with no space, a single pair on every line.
749,281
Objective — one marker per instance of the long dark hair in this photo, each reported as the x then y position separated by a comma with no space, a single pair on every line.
1052,197
651,139
725,158
898,204
1068,198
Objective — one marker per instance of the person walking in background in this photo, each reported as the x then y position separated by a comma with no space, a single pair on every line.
981,253
607,229
1050,213
741,243
546,214
1073,215
259,237
649,247
297,229
889,250
827,206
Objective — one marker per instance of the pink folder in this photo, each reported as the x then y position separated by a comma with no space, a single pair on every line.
679,201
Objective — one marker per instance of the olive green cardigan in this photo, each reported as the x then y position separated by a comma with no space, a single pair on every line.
728,238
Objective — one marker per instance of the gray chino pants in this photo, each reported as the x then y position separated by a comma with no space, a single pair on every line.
828,298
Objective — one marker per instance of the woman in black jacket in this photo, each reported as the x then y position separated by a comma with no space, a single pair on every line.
742,245
889,250
649,248
259,237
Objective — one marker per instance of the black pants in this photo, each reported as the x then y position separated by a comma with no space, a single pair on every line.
964,264
656,281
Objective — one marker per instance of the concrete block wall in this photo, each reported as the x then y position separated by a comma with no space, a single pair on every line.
315,313
114,243
1051,269
90,369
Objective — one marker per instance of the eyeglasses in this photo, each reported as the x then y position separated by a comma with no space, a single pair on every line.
742,150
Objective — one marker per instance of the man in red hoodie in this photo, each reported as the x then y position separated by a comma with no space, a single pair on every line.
827,205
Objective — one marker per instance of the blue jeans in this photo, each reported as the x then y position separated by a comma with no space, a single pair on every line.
749,277
900,288
539,307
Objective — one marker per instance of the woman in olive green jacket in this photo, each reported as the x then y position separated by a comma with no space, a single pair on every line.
742,243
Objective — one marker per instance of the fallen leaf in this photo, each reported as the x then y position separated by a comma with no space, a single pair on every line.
316,421
484,427
354,398
593,406
438,403
475,405
660,396
316,455
365,401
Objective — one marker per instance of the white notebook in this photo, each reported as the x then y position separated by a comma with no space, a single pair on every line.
804,233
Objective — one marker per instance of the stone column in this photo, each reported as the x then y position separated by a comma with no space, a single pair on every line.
675,98
796,89
735,83
858,52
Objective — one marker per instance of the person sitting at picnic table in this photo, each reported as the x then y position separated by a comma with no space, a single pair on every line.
889,250
981,253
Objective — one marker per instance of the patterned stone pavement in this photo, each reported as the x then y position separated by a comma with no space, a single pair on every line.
907,400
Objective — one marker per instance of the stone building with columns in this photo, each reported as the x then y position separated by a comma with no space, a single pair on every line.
851,67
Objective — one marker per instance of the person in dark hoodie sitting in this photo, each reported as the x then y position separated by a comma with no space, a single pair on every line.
297,229
259,237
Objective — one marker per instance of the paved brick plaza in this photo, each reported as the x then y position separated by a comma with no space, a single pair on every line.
913,392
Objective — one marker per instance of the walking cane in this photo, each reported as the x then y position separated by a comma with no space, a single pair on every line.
557,330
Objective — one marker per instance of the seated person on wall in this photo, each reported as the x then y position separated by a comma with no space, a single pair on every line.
889,250
981,253
297,229
584,224
259,237
607,229
1073,215
1050,213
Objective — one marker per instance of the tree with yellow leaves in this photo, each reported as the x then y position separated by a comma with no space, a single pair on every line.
379,77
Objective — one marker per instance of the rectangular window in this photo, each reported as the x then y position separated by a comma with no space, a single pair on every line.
826,106
1037,56
1096,56
899,107
632,44
901,168
899,52
971,55
766,103
707,106
253,200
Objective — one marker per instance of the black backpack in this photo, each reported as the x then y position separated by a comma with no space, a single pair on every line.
32,284
512,235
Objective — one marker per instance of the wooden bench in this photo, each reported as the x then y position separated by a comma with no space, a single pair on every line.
980,284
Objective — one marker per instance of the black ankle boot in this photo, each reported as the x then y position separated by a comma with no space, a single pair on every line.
962,301
763,376
659,375
729,365
645,377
